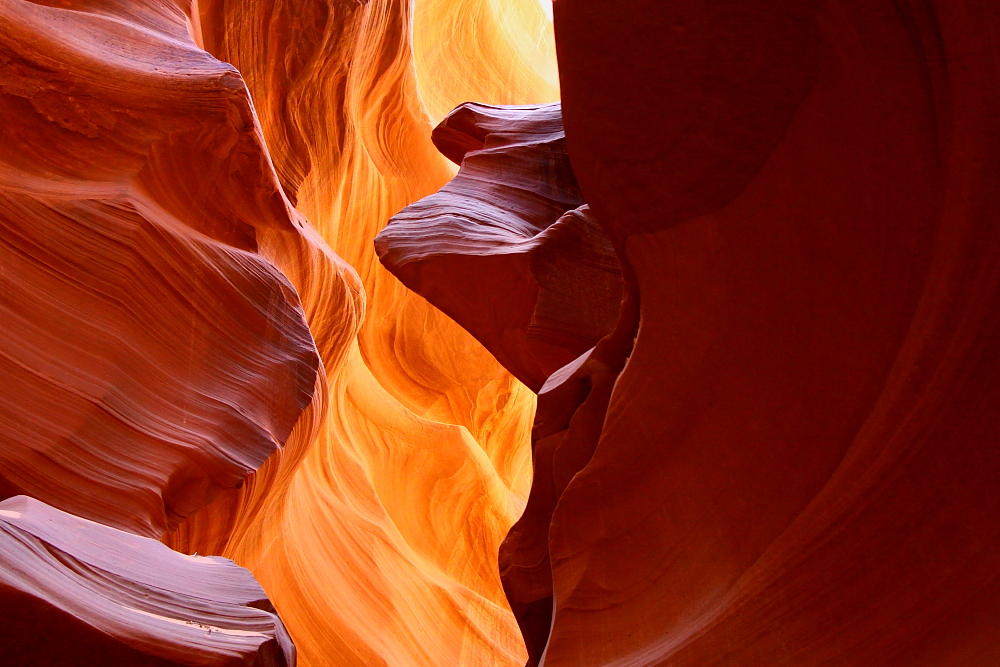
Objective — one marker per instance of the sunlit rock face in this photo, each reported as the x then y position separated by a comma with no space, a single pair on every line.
377,538
511,252
785,451
75,592
748,266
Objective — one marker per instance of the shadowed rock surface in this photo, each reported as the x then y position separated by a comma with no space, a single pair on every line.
508,248
786,451
798,461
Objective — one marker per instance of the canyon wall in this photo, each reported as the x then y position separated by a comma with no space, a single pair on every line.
76,592
803,441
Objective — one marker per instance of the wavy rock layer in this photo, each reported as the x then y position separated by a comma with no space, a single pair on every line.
539,286
151,356
785,452
75,592
507,248
797,464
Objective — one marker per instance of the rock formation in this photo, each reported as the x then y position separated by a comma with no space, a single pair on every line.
377,539
809,482
747,265
508,248
75,592
157,357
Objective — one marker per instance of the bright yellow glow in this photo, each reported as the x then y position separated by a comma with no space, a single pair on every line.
493,51
375,532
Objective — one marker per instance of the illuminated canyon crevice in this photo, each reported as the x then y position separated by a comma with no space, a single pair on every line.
356,332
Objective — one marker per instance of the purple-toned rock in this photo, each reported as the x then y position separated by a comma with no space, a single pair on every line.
75,592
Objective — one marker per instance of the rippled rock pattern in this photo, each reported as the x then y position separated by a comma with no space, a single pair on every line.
750,273
785,451
376,531
508,248
75,592
150,356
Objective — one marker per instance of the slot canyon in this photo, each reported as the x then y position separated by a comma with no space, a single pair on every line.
500,333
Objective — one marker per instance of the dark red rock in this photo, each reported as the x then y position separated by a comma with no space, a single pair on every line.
798,462
786,453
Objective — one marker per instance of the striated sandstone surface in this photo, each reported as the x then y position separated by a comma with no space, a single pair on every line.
376,531
785,452
508,248
150,356
75,592
750,273
541,287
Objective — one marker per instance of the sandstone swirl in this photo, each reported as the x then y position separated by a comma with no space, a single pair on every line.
75,592
510,251
150,356
786,451
748,266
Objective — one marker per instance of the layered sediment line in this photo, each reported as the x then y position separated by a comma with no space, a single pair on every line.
152,357
784,453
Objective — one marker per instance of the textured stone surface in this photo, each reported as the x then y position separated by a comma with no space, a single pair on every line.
785,452
771,442
508,248
797,463
182,278
376,530
75,592
150,357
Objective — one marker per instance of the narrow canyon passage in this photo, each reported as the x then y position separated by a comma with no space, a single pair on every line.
489,333
376,531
